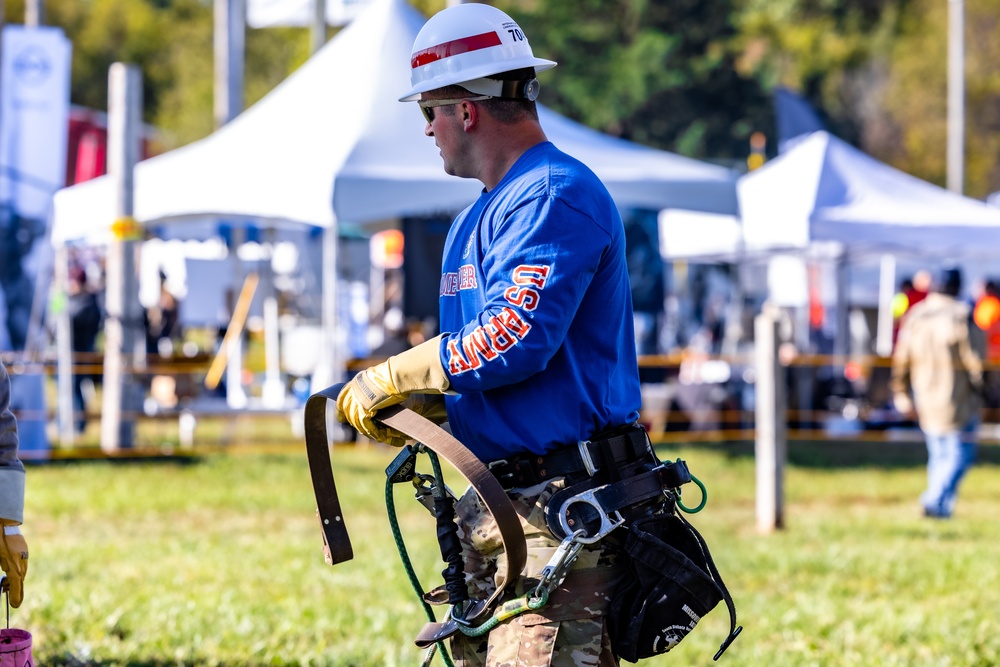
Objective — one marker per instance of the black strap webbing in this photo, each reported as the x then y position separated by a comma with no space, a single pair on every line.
734,630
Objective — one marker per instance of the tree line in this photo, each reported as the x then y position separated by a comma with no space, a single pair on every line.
691,76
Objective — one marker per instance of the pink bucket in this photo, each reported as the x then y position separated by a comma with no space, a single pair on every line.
15,648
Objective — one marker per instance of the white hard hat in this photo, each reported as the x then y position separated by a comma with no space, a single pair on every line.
465,43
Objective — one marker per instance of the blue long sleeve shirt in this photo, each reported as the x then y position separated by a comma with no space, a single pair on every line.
535,294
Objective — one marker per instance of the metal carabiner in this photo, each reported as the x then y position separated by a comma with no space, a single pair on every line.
423,486
608,523
558,566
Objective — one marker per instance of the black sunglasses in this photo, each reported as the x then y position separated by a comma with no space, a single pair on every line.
428,106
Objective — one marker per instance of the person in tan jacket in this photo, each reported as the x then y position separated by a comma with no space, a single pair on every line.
934,361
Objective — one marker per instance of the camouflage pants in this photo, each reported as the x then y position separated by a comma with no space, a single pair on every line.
569,631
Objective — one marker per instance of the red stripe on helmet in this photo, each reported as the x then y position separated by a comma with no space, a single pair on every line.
454,47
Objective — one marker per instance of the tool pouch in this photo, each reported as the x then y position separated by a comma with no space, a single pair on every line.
15,644
670,585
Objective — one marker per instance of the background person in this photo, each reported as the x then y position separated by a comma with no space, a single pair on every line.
13,548
161,322
86,319
986,315
935,361
911,292
539,350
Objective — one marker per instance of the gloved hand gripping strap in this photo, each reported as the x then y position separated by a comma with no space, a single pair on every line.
482,480
337,542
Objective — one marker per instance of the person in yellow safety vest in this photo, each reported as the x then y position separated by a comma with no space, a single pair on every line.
901,302
986,315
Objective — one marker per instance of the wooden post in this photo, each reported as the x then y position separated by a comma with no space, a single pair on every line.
771,442
123,335
234,332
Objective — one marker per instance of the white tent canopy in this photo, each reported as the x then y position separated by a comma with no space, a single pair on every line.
332,140
824,189
699,236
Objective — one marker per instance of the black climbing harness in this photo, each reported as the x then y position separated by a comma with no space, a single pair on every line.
639,494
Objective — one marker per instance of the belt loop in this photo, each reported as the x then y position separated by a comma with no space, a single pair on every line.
588,462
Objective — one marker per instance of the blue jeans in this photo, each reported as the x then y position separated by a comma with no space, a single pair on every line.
949,456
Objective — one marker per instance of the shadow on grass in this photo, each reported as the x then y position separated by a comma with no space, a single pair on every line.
71,661
57,458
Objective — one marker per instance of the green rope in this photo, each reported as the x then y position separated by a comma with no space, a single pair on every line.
438,475
397,536
507,611
704,497
531,602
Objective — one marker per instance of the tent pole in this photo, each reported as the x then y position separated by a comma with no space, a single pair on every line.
841,344
956,96
64,350
273,393
236,397
228,42
318,28
734,318
330,370
34,13
886,288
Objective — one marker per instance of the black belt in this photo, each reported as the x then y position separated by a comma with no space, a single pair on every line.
584,459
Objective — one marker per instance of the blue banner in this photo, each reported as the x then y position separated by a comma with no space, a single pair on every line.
34,122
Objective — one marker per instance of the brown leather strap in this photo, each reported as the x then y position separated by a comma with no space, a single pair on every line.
486,485
338,543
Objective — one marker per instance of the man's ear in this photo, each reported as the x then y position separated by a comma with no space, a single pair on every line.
470,115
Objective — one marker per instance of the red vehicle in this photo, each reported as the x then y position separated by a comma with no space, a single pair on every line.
87,144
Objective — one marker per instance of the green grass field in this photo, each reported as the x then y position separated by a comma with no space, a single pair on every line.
218,562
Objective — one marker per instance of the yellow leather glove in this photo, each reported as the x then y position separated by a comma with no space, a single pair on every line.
426,405
14,563
429,406
417,370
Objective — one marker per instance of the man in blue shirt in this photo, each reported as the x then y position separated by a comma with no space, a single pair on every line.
538,348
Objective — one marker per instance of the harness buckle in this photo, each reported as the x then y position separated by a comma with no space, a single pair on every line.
467,612
608,522
495,464
585,457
